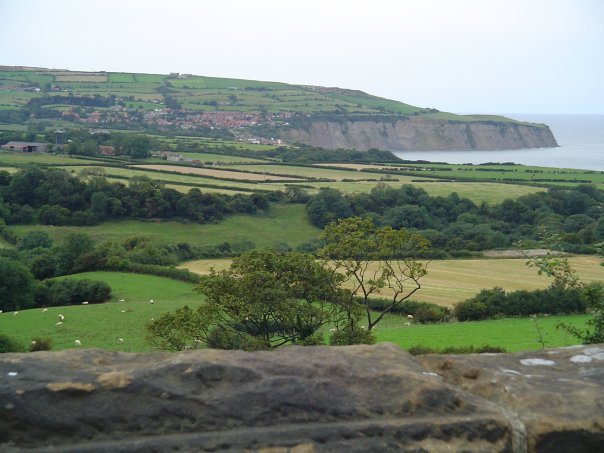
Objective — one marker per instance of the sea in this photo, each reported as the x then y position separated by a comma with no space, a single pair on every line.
580,139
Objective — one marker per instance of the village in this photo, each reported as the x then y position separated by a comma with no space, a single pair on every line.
166,119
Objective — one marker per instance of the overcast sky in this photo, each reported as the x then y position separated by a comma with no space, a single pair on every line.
465,56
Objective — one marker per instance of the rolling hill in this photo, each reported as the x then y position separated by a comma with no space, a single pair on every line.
249,110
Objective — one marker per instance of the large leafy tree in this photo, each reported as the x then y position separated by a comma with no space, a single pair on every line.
264,300
375,262
16,285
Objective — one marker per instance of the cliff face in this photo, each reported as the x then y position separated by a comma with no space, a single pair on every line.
416,133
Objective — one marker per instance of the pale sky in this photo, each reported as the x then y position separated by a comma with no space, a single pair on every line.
464,56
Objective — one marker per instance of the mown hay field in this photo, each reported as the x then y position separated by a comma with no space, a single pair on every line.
451,281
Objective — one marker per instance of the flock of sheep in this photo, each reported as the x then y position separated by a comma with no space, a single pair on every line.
61,317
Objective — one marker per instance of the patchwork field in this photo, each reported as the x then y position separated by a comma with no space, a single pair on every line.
216,173
102,325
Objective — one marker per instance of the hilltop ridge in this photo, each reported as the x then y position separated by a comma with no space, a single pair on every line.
269,112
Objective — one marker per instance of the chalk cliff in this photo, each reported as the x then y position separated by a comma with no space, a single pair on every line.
418,133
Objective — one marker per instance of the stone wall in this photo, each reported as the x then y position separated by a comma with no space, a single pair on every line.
358,398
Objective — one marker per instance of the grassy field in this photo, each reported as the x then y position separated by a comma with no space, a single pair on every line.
11,158
283,223
101,325
450,281
308,172
220,158
478,192
513,334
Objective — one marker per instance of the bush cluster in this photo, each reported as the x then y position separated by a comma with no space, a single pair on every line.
53,293
422,312
8,344
492,303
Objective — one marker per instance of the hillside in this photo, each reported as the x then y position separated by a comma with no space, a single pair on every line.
248,110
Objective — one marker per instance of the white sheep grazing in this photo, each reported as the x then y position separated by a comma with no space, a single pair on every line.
78,343
121,300
410,316
0,311
151,301
15,313
120,340
62,318
85,303
33,342
123,311
333,330
44,310
59,323
407,324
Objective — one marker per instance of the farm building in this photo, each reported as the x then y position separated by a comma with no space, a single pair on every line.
106,150
26,147
168,155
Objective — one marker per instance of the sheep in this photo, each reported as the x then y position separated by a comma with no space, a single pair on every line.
0,311
410,316
61,317
33,342
120,340
333,330
407,324
151,301
85,303
123,311
15,313
44,310
59,324
78,343
121,300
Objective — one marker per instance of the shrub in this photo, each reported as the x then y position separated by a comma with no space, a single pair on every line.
71,292
8,344
422,312
351,335
489,303
40,344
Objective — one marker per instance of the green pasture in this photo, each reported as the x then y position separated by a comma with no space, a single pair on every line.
121,77
478,192
282,223
310,172
12,127
149,78
220,158
513,334
101,325
8,158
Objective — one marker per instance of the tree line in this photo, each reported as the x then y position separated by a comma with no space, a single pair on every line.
56,197
453,224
